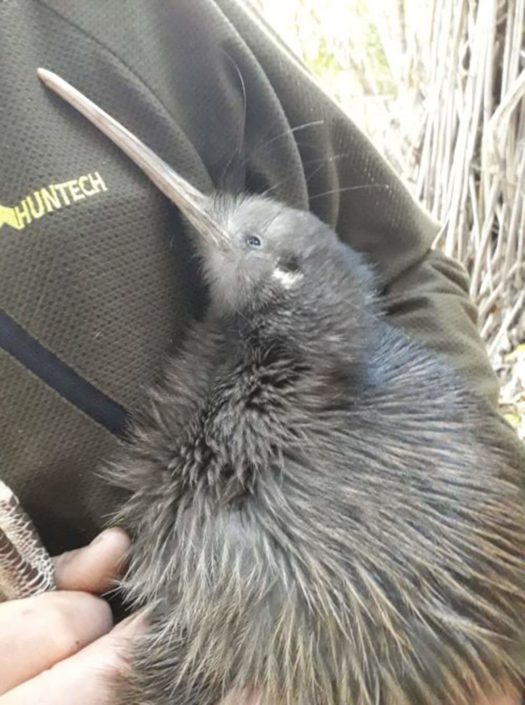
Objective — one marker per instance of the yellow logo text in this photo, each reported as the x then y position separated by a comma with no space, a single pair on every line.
49,199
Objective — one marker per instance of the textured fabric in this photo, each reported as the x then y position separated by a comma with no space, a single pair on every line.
94,264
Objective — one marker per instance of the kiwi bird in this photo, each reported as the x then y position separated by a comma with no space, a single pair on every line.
322,513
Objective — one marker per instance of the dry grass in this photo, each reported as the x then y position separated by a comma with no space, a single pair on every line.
469,168
512,401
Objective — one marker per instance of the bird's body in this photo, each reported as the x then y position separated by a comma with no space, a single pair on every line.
321,511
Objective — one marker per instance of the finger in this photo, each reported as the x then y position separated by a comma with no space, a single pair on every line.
37,632
93,568
92,674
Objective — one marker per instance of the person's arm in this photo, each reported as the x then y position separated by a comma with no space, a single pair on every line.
430,302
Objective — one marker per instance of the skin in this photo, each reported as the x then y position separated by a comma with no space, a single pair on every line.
64,642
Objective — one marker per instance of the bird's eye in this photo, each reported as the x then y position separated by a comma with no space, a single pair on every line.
253,241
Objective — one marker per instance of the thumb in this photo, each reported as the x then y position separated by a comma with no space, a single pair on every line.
93,568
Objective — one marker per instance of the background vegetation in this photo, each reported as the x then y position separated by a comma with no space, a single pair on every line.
439,87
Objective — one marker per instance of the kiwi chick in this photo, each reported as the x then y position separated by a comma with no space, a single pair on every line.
322,512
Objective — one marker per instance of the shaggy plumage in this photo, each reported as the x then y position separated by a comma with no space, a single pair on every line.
322,513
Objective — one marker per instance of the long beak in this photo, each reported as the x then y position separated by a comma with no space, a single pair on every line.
194,205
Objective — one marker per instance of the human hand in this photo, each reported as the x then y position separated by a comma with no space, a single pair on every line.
62,643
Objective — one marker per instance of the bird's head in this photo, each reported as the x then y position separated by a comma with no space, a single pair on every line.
255,252
261,252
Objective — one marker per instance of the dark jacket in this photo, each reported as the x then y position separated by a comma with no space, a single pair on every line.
96,277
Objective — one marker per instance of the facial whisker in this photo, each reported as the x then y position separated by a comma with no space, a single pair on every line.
321,161
328,160
360,187
238,150
290,131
